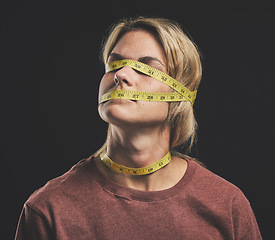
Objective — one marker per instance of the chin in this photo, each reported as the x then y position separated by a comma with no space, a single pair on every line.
124,113
117,110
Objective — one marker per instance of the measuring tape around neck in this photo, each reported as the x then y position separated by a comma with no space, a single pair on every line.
135,171
182,93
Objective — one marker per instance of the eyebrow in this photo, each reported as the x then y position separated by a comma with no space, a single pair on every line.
145,59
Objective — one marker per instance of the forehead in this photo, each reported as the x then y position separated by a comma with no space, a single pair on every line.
139,43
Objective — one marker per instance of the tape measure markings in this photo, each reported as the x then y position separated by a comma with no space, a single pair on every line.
142,96
135,171
155,73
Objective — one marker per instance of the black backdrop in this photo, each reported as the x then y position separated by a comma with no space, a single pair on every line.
50,74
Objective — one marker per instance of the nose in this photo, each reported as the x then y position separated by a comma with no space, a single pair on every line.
124,76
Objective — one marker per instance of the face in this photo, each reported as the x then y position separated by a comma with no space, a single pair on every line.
141,46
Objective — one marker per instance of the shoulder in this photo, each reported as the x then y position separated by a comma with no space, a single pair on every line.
214,190
57,190
212,194
219,193
206,179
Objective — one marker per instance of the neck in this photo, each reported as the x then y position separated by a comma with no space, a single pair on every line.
137,148
141,148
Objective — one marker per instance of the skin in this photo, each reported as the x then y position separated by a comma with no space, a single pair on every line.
138,136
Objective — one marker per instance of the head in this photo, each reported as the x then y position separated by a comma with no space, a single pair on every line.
182,62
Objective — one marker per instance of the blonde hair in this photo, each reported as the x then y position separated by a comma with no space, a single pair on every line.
183,64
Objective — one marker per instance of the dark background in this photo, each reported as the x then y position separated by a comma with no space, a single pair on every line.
50,74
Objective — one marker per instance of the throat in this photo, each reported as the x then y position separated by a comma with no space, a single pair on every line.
139,158
138,147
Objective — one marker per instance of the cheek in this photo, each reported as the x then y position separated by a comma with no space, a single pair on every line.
105,83
100,90
156,86
155,110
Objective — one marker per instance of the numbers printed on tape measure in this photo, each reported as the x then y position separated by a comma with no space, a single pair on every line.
182,93
142,96
135,171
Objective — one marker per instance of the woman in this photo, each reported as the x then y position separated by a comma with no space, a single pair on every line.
133,188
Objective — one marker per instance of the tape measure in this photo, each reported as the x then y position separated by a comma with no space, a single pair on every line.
142,96
182,93
135,171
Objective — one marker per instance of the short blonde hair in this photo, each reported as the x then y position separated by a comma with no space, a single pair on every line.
183,64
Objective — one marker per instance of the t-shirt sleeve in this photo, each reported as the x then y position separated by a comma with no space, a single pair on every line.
32,226
244,221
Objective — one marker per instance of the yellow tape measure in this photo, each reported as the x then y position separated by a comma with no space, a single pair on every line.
135,171
182,93
143,96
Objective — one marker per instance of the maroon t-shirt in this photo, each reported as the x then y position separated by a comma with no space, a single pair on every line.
83,204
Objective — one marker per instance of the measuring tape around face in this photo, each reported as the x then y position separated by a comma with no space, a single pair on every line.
142,96
135,171
182,93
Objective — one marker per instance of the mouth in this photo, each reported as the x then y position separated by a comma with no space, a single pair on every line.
119,100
